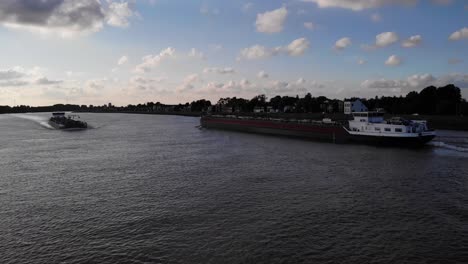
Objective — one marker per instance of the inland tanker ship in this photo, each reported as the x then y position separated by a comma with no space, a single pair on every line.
364,127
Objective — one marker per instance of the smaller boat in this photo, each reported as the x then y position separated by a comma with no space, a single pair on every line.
69,122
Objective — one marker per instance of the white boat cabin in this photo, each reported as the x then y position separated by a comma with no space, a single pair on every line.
373,124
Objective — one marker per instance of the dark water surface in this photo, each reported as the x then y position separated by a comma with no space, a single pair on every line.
155,189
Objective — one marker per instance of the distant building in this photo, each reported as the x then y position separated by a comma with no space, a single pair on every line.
288,108
354,106
259,109
271,110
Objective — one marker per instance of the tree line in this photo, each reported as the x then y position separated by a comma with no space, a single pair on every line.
431,100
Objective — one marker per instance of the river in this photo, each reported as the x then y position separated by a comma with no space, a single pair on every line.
157,189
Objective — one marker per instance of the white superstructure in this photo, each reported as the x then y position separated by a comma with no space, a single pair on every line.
373,124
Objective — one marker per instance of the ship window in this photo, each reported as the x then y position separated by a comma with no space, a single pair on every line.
377,128
388,129
398,130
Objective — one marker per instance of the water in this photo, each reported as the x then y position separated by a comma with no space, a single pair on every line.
156,189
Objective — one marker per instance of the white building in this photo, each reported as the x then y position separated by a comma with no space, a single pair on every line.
354,106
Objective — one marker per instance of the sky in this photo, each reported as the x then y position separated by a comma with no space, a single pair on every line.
176,51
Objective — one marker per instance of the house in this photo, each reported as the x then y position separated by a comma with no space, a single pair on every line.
354,106
288,108
259,109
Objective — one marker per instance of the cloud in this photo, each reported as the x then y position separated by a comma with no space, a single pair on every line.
45,81
272,21
194,53
295,48
262,75
257,52
300,86
18,76
342,43
412,42
358,5
151,61
188,83
361,61
309,25
460,34
226,70
417,82
143,83
122,60
393,61
118,14
385,39
13,83
65,18
9,74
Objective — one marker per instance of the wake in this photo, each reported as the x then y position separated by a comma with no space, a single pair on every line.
41,120
444,145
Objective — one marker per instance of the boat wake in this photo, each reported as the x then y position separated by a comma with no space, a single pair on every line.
444,145
41,120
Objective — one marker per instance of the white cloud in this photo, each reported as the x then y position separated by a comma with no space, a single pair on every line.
342,43
66,18
194,53
122,60
412,42
358,5
361,61
272,21
393,61
256,52
262,75
151,61
309,25
119,13
386,38
418,82
188,83
226,70
295,48
460,34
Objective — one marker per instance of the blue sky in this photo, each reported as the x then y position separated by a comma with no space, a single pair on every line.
94,52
